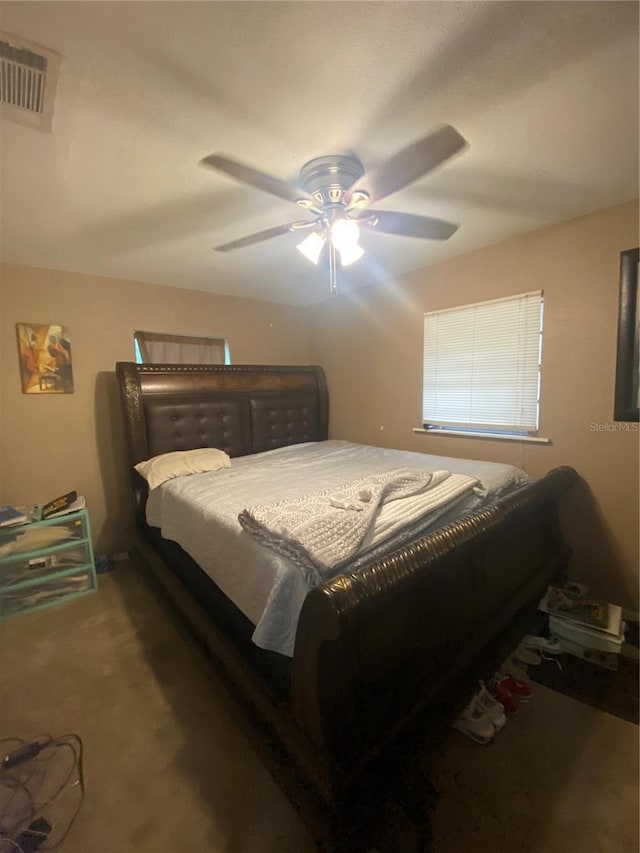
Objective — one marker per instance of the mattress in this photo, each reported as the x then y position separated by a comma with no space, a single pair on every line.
200,512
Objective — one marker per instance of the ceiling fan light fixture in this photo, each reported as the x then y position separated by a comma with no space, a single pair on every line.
349,254
311,247
344,233
344,237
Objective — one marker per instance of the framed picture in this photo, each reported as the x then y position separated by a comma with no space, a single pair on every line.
45,358
627,399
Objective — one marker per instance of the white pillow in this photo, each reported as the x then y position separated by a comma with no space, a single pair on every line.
179,463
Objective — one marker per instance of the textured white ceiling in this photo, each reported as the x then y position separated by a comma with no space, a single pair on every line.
546,93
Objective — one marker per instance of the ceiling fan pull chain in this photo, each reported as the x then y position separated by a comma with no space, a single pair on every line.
333,270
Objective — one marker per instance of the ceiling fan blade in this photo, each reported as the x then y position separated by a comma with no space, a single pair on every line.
259,180
408,224
408,165
301,225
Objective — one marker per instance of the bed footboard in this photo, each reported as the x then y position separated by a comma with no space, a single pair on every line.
378,647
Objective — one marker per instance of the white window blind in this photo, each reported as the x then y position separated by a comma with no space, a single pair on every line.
161,348
482,365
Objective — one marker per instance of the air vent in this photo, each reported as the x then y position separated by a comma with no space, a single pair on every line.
28,76
22,76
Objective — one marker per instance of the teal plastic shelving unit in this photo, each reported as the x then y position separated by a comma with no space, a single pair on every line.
43,563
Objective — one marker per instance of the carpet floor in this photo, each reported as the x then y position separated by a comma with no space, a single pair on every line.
169,766
616,692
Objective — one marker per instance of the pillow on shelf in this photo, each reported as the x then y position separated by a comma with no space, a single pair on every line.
180,463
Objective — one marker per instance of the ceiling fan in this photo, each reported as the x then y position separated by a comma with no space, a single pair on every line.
337,192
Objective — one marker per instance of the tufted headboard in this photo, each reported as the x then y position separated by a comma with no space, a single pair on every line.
240,409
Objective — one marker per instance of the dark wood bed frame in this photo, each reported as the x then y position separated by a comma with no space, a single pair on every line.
379,650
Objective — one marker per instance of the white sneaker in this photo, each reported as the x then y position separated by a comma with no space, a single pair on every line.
526,656
493,709
542,644
475,722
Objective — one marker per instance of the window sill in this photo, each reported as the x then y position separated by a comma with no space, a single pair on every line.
529,439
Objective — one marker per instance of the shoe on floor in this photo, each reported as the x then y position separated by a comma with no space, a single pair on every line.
493,708
474,722
502,694
527,656
518,688
511,668
542,644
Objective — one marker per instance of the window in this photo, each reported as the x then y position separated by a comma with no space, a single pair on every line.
162,348
482,366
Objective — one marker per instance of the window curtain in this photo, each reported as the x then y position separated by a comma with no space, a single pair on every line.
159,348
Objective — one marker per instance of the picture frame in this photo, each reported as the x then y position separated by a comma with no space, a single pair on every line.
627,390
44,352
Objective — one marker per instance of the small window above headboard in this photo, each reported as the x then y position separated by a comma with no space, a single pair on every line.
166,347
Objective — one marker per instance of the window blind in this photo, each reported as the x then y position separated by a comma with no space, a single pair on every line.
482,365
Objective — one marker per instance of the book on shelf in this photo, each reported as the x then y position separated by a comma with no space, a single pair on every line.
69,502
572,606
12,515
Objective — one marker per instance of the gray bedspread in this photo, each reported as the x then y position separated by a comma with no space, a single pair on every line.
201,512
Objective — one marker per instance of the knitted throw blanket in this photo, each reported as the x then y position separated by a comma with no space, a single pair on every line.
320,531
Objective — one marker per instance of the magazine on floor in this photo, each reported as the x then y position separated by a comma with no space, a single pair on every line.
575,607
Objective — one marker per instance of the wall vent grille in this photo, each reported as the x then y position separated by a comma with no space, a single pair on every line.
27,82
22,77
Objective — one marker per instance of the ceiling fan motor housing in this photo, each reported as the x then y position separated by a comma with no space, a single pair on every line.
328,178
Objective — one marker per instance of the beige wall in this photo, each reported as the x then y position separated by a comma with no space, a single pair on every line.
370,344
50,443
